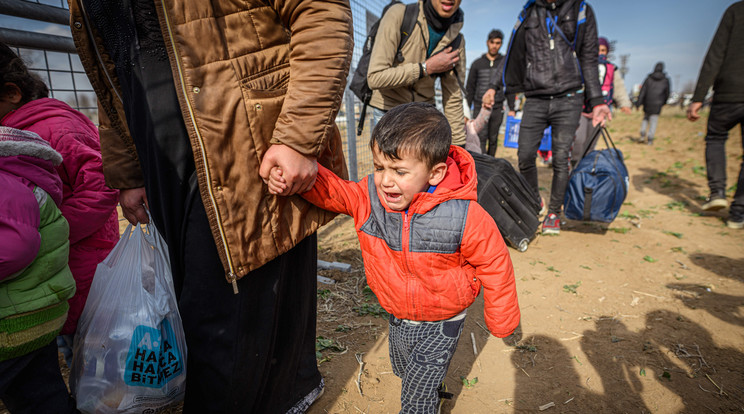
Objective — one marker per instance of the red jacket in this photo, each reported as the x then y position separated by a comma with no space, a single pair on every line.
429,263
88,204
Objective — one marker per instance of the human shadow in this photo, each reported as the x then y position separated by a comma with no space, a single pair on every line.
585,227
717,304
720,265
686,359
684,192
546,371
670,352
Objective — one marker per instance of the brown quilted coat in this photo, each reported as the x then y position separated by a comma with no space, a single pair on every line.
248,74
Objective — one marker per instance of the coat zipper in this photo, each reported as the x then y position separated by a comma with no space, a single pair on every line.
231,277
405,250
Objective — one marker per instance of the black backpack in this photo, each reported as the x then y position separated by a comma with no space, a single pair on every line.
358,83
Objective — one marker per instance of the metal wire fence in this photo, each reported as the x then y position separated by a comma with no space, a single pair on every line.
64,74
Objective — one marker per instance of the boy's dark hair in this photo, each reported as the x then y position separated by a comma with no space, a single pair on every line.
13,70
416,127
496,34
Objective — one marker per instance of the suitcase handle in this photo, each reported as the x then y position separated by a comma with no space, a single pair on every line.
607,139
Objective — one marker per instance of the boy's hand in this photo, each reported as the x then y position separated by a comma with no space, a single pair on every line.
277,184
515,337
298,170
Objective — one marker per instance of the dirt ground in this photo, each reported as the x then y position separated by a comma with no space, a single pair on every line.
642,315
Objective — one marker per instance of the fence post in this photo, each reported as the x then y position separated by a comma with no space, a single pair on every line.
351,134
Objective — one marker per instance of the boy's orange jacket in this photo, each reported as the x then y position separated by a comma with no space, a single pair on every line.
429,263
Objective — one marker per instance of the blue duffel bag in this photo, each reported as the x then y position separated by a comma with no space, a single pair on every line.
598,185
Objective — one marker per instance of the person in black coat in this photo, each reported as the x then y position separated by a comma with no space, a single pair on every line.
552,58
721,69
654,94
482,71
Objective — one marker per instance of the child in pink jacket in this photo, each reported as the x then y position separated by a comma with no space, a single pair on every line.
88,204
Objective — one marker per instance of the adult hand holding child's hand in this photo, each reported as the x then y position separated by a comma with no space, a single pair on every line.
297,170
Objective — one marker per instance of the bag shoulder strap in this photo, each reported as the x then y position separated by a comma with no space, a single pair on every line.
409,22
580,19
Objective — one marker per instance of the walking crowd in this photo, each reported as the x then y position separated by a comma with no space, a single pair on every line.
232,152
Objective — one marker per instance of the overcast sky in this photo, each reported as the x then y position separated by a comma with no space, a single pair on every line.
676,32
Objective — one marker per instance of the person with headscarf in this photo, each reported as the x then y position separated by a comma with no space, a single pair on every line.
613,93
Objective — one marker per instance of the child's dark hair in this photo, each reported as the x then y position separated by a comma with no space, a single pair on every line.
416,128
13,70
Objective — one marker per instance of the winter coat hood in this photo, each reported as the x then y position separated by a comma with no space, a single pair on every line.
658,73
460,182
42,111
27,155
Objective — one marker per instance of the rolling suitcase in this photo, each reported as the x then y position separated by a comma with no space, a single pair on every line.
507,197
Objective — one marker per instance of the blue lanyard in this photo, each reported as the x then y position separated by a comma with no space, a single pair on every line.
551,22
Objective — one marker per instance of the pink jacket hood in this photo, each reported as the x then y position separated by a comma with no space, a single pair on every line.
87,203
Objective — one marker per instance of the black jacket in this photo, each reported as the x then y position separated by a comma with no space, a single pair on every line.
655,91
540,67
724,61
479,79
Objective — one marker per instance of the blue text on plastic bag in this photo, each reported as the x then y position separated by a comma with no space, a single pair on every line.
153,358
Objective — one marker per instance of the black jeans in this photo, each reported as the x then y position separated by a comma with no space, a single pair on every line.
723,117
33,383
489,136
563,115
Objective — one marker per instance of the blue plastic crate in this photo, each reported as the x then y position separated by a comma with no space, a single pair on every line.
511,140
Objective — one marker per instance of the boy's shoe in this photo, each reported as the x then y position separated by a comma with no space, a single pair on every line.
543,208
650,141
715,202
735,224
443,395
552,224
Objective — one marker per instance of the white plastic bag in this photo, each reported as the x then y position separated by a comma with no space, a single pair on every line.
130,351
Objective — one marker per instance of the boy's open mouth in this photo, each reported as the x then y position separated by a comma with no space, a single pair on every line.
392,197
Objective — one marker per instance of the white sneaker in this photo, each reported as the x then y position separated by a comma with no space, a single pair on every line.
715,203
735,224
